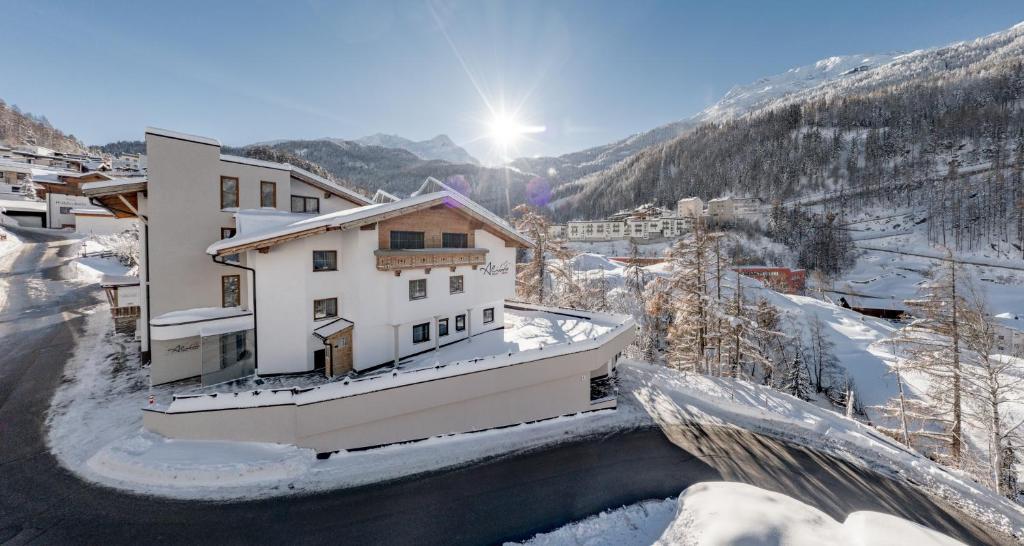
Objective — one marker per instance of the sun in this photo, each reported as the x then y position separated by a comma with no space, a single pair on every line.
506,131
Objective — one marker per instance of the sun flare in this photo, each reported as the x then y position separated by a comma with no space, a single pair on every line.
506,131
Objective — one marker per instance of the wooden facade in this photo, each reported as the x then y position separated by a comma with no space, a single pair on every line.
398,260
433,222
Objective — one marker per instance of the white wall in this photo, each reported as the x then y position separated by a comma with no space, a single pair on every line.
102,225
56,201
185,218
375,301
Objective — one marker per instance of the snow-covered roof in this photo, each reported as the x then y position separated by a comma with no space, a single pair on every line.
358,216
93,211
196,314
108,281
255,162
182,136
332,328
22,206
200,321
384,197
114,185
432,185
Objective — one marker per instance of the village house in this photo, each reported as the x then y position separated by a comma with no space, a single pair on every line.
402,306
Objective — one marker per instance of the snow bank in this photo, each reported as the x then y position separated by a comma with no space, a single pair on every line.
719,513
670,398
92,269
9,243
590,262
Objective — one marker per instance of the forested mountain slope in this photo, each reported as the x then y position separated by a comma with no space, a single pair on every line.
402,172
943,128
17,127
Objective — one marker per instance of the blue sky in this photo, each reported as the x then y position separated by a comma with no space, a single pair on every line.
589,72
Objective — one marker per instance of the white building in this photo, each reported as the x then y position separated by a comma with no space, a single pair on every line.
690,207
96,221
1009,334
722,210
644,222
258,267
129,163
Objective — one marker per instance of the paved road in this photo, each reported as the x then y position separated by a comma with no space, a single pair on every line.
508,498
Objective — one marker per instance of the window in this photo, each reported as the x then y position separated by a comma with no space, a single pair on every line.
455,240
442,327
232,349
228,192
325,260
305,204
460,323
406,239
227,233
488,315
325,308
421,333
230,291
455,284
65,210
268,194
417,289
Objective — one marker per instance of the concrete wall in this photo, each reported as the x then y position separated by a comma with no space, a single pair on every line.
516,393
177,358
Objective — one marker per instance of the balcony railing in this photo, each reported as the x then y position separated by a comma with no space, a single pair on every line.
425,258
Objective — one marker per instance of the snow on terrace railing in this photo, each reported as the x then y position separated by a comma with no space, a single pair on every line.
187,403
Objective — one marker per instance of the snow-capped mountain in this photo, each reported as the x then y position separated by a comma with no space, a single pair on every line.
440,147
742,99
903,100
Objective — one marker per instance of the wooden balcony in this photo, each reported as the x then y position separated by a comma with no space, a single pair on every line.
427,258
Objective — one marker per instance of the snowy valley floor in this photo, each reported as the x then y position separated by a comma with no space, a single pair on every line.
95,430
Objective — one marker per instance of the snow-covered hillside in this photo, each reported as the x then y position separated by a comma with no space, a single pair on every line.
742,99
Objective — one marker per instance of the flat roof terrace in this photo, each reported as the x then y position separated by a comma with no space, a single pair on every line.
530,333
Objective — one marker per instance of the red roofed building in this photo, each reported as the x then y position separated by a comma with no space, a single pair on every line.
780,279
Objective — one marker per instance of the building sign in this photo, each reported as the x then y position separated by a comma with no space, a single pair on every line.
58,209
494,270
182,348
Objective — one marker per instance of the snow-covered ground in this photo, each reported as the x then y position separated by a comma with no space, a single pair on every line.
894,257
720,513
9,242
93,268
95,430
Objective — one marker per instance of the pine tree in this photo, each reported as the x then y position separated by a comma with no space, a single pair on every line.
798,380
